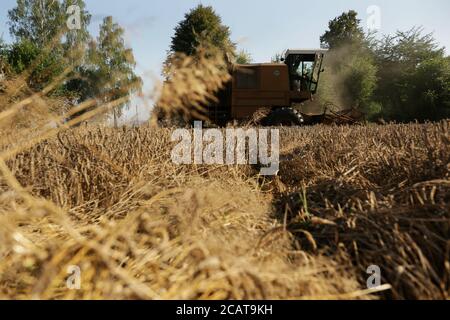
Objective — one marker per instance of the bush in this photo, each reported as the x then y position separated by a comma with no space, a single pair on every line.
414,77
40,65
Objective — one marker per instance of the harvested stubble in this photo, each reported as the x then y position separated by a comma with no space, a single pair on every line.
379,194
141,227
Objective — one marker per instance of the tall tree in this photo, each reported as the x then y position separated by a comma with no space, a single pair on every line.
343,30
201,24
36,20
350,70
51,35
414,77
41,21
112,66
44,40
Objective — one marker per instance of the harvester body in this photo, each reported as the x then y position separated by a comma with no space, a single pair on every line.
272,86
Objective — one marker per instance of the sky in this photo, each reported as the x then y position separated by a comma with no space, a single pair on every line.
261,27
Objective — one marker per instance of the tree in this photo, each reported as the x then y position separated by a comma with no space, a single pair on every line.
44,21
202,42
243,57
201,24
46,44
40,30
45,65
414,78
36,20
350,70
343,30
432,89
112,66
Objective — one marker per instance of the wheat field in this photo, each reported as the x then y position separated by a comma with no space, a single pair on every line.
110,202
140,227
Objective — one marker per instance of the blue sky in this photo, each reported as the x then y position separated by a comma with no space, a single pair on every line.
261,27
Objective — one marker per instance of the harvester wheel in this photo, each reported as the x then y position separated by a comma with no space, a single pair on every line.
283,117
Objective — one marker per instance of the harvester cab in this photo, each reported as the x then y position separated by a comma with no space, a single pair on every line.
304,68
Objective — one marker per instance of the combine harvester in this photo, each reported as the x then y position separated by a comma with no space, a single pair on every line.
276,88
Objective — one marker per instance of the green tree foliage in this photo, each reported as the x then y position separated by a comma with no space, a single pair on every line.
112,65
414,77
361,82
45,65
243,57
103,69
350,70
22,54
44,21
343,30
201,24
41,33
35,25
402,77
36,20
201,28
